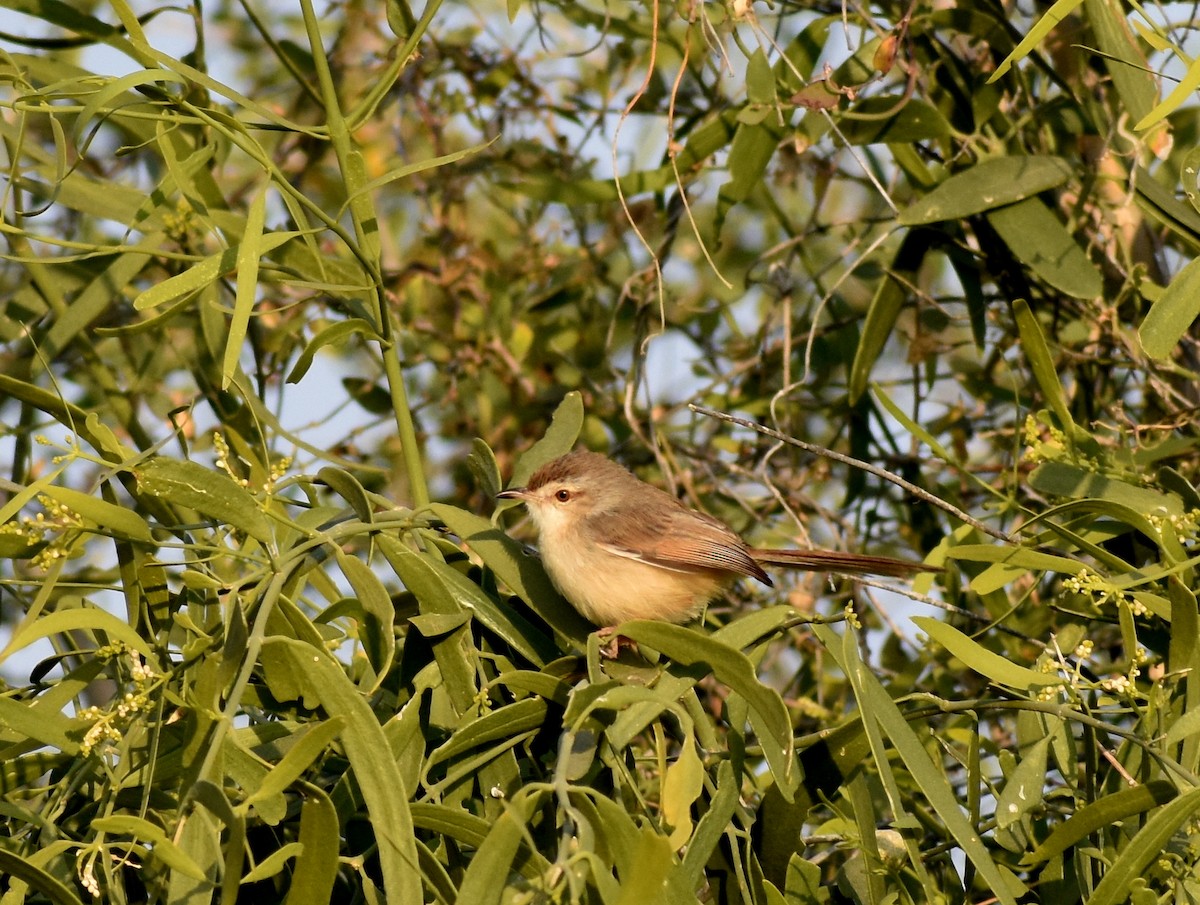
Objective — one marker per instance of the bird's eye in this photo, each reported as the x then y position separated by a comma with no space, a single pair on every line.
563,495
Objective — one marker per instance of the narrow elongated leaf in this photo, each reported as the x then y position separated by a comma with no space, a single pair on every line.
1033,342
374,768
1072,481
17,867
519,571
1172,314
892,119
417,572
496,854
1105,812
1039,240
682,785
204,273
713,825
1046,24
1023,791
885,307
154,838
1144,848
1022,558
989,184
274,862
249,252
78,619
380,636
421,166
331,335
731,667
1179,94
505,722
316,871
99,102
120,520
299,758
877,705
1128,68
982,660
20,719
211,493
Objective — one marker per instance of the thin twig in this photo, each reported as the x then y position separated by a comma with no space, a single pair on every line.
856,463
984,620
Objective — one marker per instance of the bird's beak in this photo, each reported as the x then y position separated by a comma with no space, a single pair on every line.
513,493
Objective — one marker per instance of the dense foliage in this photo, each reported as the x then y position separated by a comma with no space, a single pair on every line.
289,293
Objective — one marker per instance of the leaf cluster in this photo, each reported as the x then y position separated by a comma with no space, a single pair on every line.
278,314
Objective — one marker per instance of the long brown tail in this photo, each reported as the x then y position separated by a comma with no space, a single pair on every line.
838,561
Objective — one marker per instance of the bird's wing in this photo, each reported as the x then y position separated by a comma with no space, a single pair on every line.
681,540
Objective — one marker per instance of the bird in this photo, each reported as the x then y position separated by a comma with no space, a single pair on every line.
618,548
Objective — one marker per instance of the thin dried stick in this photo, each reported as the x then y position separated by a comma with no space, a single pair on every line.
856,463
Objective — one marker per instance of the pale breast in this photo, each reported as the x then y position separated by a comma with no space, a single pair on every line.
609,589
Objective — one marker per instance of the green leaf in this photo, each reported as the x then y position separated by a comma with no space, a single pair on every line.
18,867
315,873
274,863
1128,67
420,166
890,295
79,619
248,254
155,840
95,300
1182,92
651,868
100,100
509,723
714,823
1039,240
1046,24
331,335
753,147
1022,558
204,273
989,184
200,844
998,669
877,705
120,520
483,465
349,489
417,572
1172,315
682,785
1101,814
1033,342
211,493
760,79
374,768
379,636
1160,202
560,437
1024,790
299,757
495,856
768,715
37,723
1144,848
1063,479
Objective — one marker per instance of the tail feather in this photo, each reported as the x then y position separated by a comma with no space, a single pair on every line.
839,561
